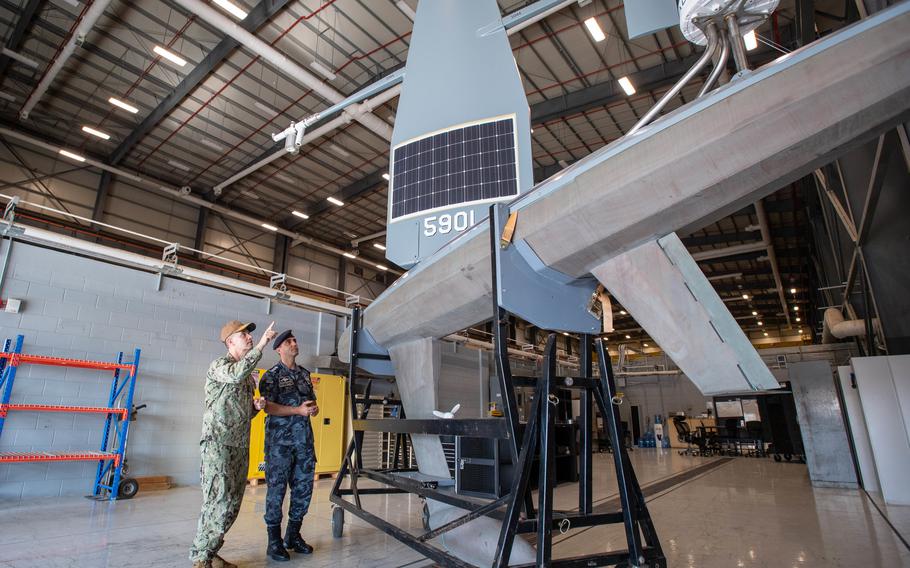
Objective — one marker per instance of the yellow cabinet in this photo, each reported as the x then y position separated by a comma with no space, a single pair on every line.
328,427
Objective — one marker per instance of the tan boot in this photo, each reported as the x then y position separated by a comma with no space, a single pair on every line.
219,562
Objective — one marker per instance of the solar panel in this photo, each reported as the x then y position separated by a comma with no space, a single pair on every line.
464,165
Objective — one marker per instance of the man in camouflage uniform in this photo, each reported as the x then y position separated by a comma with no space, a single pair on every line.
229,407
290,456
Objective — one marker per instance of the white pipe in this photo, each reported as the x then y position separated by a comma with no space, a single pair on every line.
836,327
34,234
728,251
364,107
288,67
167,189
76,39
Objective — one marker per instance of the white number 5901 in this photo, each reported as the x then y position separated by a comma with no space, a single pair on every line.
446,223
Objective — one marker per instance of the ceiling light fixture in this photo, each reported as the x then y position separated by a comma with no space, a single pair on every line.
379,246
645,344
795,308
627,86
623,312
750,40
594,29
628,337
300,214
349,255
406,10
386,176
339,150
98,133
761,323
754,313
799,319
381,267
211,144
793,290
179,165
170,56
766,334
565,333
269,227
322,70
334,201
69,154
231,8
745,296
125,106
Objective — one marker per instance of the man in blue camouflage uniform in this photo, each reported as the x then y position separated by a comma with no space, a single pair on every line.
290,458
229,407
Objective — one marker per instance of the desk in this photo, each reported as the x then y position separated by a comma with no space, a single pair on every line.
694,425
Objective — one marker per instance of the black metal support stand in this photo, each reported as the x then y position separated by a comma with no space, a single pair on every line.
538,435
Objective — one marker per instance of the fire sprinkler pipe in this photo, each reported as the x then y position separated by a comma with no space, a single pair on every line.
76,39
284,64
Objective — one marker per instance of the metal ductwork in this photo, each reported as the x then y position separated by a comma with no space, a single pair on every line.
836,327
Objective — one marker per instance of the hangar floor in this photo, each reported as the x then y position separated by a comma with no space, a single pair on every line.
709,512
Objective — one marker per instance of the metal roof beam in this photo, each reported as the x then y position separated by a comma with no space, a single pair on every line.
256,18
23,25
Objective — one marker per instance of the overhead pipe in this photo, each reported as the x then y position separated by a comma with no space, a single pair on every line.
184,195
836,327
76,39
284,64
363,108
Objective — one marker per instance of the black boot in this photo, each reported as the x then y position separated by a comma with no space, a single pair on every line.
294,541
276,550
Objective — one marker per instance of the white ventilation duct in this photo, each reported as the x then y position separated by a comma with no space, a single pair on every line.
836,327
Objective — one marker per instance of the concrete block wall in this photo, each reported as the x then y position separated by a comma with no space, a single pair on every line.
83,308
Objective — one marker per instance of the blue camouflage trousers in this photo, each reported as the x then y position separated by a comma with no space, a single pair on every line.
288,465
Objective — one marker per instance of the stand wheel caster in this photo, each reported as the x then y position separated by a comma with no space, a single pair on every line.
128,488
777,457
425,517
788,457
337,522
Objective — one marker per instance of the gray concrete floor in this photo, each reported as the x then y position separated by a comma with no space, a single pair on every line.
745,513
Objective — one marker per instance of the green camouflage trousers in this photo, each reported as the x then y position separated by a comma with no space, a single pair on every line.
223,481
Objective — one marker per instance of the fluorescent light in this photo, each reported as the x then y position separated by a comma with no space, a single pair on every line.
322,70
379,246
628,337
69,154
334,201
386,177
211,144
750,40
745,296
627,86
7,97
179,165
623,312
406,10
594,29
754,313
231,8
795,308
125,106
800,331
169,55
565,333
269,227
645,345
349,255
300,214
799,319
381,267
264,107
339,150
766,334
760,323
793,290
20,58
97,133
